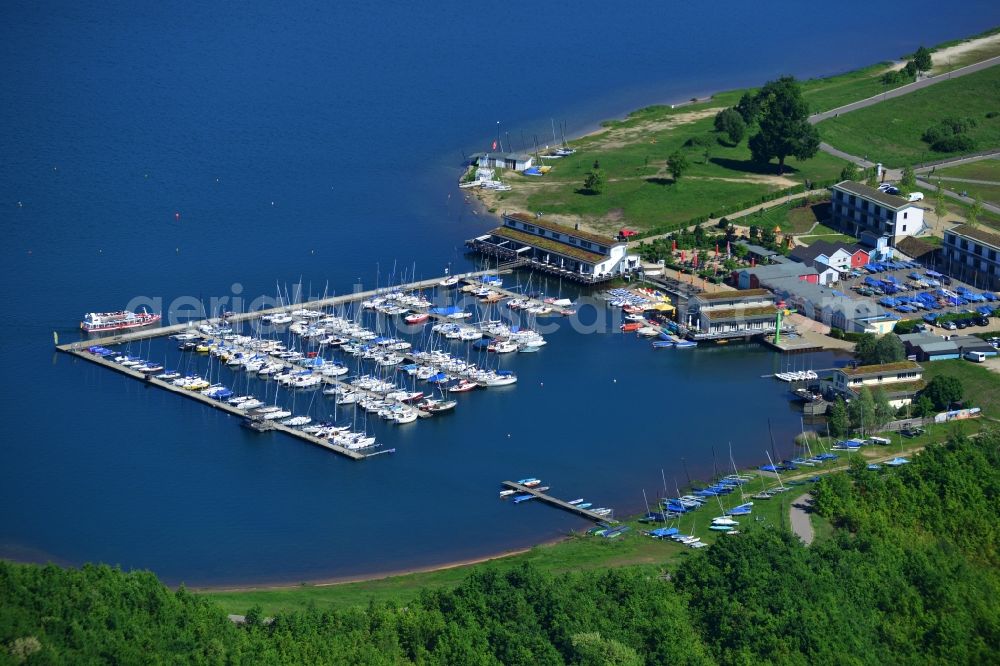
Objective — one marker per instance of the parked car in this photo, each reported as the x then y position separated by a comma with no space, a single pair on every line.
912,432
915,196
950,325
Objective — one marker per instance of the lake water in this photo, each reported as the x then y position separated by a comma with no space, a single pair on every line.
194,151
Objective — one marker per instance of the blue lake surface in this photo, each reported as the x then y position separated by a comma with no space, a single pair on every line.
192,150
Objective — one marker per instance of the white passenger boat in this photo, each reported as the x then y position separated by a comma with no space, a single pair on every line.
94,322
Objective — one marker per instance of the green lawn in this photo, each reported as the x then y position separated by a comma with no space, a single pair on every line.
835,91
988,193
890,132
982,386
988,169
639,191
793,217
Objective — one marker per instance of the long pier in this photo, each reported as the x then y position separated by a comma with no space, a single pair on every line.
556,502
224,406
236,317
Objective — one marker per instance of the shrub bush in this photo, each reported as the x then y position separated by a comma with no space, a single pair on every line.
956,143
699,142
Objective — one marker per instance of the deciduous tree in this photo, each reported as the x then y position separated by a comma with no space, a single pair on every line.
731,123
922,59
594,182
908,181
748,107
784,124
850,172
677,164
839,422
889,349
942,391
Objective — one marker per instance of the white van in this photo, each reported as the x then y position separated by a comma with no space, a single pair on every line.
975,357
915,196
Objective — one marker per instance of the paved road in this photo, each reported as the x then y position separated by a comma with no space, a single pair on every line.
904,90
860,161
799,516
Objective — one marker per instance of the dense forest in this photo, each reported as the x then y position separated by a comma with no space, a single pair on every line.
909,576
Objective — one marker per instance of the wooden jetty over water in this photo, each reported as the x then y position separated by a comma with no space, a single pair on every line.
556,502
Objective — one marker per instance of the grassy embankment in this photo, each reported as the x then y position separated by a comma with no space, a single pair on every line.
577,552
890,132
639,192
988,170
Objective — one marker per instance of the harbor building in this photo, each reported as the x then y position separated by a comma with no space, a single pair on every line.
731,314
494,160
556,248
826,305
857,208
972,255
901,380
824,256
929,347
760,276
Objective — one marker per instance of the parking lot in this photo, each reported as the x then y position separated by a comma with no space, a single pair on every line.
914,292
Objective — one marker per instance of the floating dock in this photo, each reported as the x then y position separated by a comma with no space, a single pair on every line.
556,502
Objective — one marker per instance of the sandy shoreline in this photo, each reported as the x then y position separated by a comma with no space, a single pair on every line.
366,578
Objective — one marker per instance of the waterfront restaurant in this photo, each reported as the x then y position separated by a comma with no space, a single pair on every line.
901,380
556,248
731,314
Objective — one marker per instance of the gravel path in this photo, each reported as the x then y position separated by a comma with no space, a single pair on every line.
799,515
